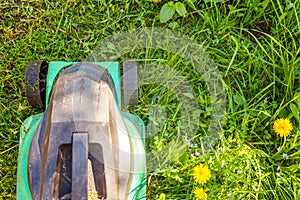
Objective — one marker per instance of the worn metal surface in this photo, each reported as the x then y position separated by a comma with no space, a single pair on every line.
83,100
80,150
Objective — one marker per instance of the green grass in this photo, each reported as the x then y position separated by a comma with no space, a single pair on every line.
255,45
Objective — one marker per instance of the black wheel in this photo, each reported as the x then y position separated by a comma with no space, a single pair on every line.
130,83
35,83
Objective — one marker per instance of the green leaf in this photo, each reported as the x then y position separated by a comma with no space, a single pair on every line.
283,113
231,8
294,110
189,95
180,9
214,1
173,25
111,46
297,100
191,4
162,196
239,100
166,12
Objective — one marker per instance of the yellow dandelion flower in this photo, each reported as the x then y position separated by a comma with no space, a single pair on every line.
200,194
201,173
283,127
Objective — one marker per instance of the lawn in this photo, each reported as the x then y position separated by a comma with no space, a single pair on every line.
255,48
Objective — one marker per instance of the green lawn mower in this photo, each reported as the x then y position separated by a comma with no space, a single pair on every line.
83,146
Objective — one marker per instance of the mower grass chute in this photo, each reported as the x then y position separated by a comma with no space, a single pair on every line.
83,146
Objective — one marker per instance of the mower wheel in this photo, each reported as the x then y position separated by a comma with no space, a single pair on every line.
35,83
130,83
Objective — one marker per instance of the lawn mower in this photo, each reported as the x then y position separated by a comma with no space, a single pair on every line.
84,146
